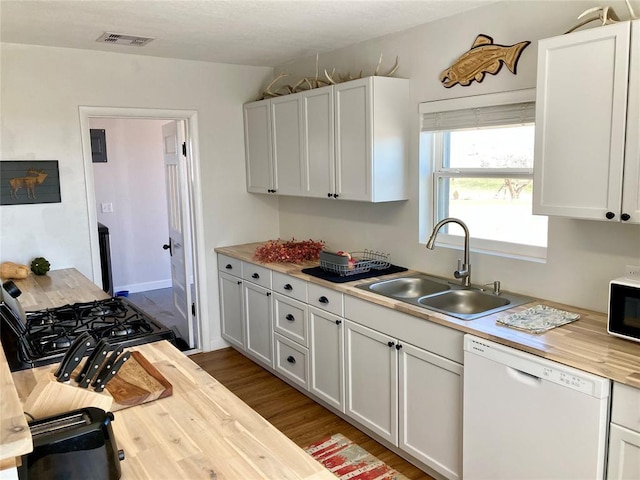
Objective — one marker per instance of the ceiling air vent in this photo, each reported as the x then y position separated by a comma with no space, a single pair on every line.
123,39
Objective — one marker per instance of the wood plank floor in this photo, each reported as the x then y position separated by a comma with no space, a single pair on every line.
294,414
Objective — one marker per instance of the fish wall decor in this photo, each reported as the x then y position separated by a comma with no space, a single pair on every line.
483,57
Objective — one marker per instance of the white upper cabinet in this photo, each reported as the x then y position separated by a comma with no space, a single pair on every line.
587,109
257,144
631,184
346,142
371,139
286,126
318,132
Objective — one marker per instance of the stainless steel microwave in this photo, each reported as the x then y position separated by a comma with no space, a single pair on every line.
624,308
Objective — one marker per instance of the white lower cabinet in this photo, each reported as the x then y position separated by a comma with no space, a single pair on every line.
232,321
326,348
624,454
414,395
624,434
352,355
430,403
257,312
371,366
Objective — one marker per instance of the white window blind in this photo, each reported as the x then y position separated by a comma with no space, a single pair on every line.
488,116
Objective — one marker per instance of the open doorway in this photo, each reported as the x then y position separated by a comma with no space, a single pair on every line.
143,196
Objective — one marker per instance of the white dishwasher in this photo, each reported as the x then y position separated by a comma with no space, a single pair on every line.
526,417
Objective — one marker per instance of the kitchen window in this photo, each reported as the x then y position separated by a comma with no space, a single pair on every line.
477,165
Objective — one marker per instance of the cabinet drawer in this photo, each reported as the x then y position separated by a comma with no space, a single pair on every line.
290,319
230,265
291,360
625,410
256,274
326,299
290,286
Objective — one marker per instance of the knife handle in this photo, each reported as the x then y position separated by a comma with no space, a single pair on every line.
73,356
113,370
111,360
93,363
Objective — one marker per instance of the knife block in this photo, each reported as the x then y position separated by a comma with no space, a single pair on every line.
50,397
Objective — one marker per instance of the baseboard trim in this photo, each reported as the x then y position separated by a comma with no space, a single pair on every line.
143,287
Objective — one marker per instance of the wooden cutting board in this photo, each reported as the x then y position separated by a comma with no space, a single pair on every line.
137,382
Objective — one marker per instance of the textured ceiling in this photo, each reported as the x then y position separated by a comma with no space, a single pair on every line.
247,32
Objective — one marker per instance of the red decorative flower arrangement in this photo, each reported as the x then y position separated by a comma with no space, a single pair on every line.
290,251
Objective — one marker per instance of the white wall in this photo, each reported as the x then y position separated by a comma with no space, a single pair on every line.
41,89
133,181
582,255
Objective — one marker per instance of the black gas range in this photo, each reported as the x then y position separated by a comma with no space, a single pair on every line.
43,337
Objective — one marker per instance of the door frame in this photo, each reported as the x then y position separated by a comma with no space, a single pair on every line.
193,195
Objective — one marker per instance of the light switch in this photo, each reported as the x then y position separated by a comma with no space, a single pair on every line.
107,207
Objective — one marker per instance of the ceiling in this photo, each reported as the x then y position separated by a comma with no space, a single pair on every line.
246,32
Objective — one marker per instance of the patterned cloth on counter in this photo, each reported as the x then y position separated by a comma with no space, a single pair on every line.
538,319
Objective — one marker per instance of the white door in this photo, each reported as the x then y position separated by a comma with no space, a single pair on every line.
318,142
371,369
258,327
580,125
257,144
354,126
287,145
231,309
631,188
327,357
624,454
178,246
430,403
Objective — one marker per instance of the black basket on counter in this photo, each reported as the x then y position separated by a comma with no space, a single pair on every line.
360,262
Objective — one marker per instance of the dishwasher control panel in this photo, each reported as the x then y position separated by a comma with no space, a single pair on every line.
538,367
577,382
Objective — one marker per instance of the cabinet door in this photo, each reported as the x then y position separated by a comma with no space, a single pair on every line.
257,311
581,109
257,145
327,357
286,127
319,147
431,409
371,366
631,189
354,126
231,309
624,454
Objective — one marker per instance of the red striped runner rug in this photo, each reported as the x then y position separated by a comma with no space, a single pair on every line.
348,461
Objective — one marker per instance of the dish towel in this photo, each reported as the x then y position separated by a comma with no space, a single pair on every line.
538,319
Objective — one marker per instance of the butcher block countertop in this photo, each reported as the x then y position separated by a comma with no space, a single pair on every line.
583,344
201,431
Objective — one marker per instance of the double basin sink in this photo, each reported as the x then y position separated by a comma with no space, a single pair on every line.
442,296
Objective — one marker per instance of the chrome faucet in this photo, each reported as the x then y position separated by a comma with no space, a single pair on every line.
464,268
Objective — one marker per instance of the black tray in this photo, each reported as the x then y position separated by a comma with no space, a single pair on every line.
335,278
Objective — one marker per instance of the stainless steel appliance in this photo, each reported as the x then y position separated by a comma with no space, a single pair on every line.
526,417
624,309
40,338
77,445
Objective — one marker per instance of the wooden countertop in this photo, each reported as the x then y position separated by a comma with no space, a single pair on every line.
15,437
57,288
583,344
201,431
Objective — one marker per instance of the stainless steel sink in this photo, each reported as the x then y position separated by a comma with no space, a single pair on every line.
442,296
464,301
408,287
